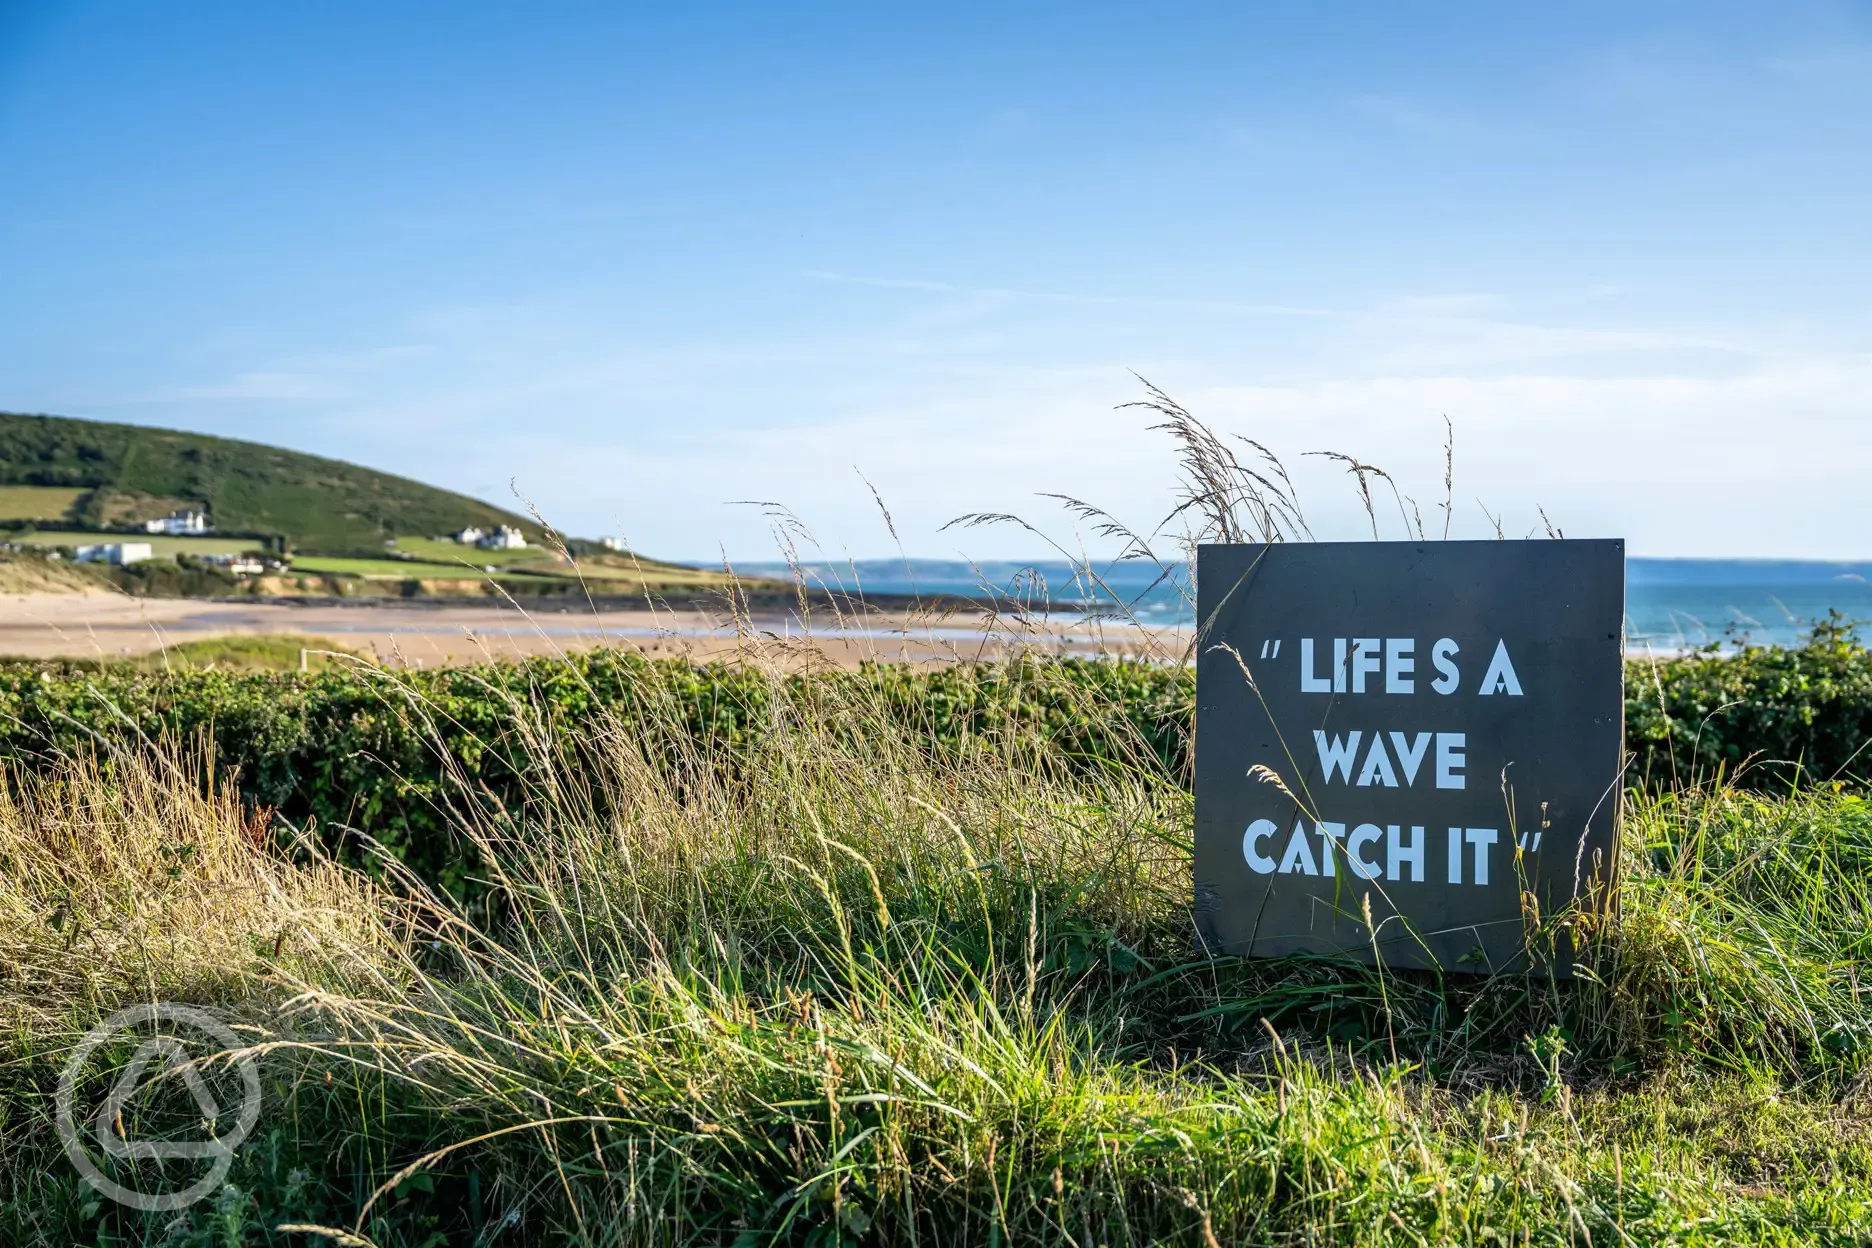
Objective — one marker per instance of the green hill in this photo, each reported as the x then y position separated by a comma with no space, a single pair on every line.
104,474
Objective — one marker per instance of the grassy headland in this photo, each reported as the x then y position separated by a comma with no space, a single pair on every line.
125,471
348,531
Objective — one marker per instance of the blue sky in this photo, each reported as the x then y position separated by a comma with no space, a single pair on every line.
646,260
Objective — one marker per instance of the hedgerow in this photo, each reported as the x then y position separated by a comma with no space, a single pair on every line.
1766,717
389,751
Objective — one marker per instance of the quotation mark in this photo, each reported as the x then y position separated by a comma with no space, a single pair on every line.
1274,653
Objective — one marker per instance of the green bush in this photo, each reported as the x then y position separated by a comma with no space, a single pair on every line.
1766,717
390,751
351,747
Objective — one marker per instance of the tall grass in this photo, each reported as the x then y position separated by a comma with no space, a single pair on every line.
127,879
855,989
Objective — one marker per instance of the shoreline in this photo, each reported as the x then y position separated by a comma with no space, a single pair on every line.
406,632
400,633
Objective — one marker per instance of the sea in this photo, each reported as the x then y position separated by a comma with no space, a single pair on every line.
1671,605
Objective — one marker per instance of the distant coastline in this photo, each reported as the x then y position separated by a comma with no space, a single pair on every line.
1671,604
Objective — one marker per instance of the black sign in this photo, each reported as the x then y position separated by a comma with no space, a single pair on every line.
1407,752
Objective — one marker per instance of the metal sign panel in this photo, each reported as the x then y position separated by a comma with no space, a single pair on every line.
1407,752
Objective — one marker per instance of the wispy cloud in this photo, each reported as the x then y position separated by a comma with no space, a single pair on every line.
1650,431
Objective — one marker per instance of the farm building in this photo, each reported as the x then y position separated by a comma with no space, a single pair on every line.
115,552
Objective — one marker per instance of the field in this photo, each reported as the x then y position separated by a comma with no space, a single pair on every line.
594,566
446,569
385,569
459,569
817,981
37,502
447,560
269,652
159,545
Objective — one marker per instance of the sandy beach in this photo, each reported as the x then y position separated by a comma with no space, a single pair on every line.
107,626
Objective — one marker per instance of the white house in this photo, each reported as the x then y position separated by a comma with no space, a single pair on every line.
239,565
181,523
611,543
115,552
506,537
470,536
